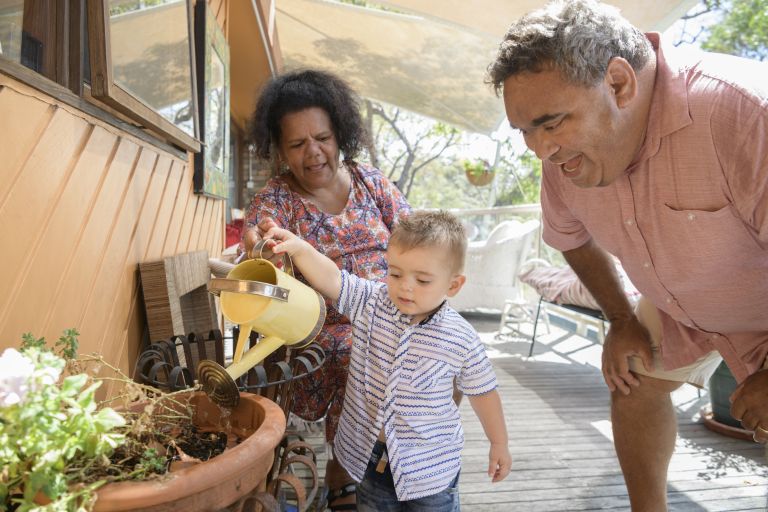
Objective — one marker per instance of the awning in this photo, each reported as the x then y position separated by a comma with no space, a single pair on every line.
430,56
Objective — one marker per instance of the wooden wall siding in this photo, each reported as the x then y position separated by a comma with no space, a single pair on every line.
81,204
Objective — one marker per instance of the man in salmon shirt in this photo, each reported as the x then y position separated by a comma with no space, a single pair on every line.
661,159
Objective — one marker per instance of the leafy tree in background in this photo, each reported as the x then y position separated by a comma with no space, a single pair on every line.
404,143
522,183
743,30
736,27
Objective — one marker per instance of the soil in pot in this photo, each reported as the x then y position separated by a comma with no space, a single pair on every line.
220,481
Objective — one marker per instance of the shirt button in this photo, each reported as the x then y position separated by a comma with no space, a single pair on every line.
629,222
669,301
646,265
691,216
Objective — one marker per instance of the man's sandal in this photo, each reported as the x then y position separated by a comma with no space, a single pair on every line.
338,494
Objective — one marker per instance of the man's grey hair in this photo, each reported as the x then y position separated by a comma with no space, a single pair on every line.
577,37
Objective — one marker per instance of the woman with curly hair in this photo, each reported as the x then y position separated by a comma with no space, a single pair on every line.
308,122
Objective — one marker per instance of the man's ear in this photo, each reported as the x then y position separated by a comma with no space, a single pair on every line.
457,282
622,80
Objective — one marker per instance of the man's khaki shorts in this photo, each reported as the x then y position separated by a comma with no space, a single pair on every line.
696,373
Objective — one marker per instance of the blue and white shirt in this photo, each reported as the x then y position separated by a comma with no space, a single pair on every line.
401,377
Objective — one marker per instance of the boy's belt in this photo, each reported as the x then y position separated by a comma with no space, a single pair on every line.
379,456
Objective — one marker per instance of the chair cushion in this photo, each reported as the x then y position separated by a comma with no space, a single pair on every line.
561,285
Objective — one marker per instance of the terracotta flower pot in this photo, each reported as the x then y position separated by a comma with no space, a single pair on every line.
215,483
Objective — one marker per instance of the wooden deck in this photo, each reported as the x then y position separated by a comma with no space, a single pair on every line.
557,409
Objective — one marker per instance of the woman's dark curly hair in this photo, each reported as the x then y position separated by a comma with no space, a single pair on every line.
302,89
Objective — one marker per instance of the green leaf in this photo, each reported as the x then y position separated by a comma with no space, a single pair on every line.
73,383
108,419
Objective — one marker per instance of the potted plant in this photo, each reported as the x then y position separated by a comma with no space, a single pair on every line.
60,448
479,173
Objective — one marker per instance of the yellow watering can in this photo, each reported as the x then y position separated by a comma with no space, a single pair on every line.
260,297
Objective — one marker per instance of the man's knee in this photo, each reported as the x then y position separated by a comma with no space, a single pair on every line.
649,390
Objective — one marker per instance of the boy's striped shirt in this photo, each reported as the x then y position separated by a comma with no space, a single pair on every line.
401,377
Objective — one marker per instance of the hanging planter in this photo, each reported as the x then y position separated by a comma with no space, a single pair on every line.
479,173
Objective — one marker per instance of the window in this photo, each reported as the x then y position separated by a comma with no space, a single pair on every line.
142,63
132,58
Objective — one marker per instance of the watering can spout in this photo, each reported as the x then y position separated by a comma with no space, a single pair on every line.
259,297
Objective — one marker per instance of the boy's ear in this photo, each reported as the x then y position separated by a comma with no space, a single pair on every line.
457,282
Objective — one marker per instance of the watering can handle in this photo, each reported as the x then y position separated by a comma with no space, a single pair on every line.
287,263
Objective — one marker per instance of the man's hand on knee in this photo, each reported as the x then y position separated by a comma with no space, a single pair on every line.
626,338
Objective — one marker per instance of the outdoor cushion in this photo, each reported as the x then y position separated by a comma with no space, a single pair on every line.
561,285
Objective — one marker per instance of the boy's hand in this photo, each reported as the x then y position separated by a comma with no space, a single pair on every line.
499,462
283,241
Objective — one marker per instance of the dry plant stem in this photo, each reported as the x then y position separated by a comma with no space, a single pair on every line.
153,426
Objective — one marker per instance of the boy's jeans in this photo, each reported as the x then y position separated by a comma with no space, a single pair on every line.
376,493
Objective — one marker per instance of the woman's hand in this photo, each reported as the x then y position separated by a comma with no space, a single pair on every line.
626,338
253,235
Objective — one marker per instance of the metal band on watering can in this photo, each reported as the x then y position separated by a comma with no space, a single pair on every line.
220,284
318,325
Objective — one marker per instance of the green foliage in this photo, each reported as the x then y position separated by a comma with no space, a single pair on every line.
152,461
56,441
50,425
743,30
67,343
522,185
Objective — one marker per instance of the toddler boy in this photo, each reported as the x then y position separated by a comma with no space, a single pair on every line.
400,431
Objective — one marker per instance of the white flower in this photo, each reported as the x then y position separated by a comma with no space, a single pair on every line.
16,372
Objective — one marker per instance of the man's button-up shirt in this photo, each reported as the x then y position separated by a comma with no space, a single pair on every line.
689,219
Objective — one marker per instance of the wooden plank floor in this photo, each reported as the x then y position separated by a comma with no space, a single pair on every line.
557,409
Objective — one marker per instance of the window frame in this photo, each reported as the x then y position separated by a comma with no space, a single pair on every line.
104,88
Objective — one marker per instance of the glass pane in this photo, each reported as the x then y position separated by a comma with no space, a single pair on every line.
150,54
216,113
11,16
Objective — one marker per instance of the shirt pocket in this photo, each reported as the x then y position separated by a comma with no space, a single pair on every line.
711,237
429,374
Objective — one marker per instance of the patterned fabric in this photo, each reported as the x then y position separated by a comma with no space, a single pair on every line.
356,240
401,379
561,285
689,219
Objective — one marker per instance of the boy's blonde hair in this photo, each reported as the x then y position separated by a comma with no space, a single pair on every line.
432,229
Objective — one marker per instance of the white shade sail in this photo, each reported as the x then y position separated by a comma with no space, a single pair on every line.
428,56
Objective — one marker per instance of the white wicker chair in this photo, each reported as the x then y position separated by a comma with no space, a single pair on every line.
492,266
